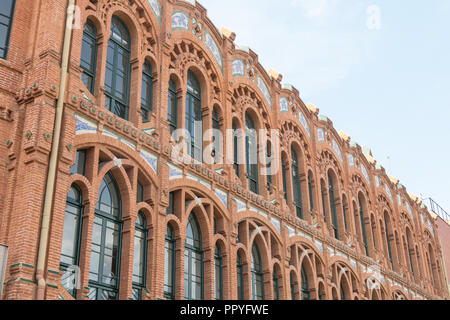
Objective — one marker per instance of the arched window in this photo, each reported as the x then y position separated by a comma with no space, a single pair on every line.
276,285
169,264
409,245
251,147
146,91
89,55
235,149
70,251
334,218
218,275
343,297
140,256
240,277
374,231
194,117
269,166
324,195
310,189
305,284
292,285
117,77
106,242
172,108
363,224
284,172
388,237
6,16
257,275
296,184
322,295
216,136
193,261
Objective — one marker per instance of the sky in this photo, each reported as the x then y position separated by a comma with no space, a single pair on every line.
379,69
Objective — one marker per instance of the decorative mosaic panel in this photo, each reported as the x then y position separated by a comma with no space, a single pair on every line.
364,171
304,122
320,135
84,126
212,46
198,179
408,207
377,181
180,20
241,206
337,150
151,159
258,211
238,67
291,231
399,198
388,191
262,86
319,245
174,172
284,105
276,223
223,196
123,140
351,160
156,7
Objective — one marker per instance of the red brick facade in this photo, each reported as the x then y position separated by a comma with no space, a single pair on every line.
29,83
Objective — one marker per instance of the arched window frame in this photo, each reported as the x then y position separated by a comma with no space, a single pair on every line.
257,275
146,91
215,120
240,277
284,173
305,284
169,264
276,285
334,218
296,184
115,102
89,61
139,279
7,21
363,226
388,239
292,285
218,273
235,149
172,109
310,190
251,147
193,252
194,116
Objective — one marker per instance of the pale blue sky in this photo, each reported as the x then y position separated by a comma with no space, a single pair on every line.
389,89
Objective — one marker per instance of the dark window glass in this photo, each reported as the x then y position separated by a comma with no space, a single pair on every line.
292,285
117,77
140,256
106,242
218,276
172,107
89,55
284,172
194,117
311,201
240,277
80,162
297,189
269,165
216,144
388,238
6,15
169,264
71,239
334,219
257,275
408,243
235,150
276,285
251,142
344,212
147,91
171,207
140,193
305,285
363,225
324,194
193,261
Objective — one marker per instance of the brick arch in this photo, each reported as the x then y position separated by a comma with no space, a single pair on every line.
252,215
293,134
85,186
328,160
384,289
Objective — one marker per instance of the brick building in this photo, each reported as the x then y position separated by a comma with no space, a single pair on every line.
91,190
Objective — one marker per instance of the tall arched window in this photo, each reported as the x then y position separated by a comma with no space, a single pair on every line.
296,184
106,242
172,108
334,218
310,189
194,117
257,275
269,166
374,231
6,16
169,264
324,195
408,243
240,277
140,256
276,285
284,173
235,149
70,251
388,237
216,137
343,296
146,91
89,55
218,274
305,284
251,147
117,77
193,261
292,285
363,224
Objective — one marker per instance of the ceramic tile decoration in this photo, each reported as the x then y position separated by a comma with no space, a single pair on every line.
241,206
84,126
284,105
276,223
119,138
212,46
174,172
399,198
408,207
180,20
238,67
351,160
364,171
156,7
291,231
320,135
223,196
198,179
151,159
337,150
388,191
262,86
304,122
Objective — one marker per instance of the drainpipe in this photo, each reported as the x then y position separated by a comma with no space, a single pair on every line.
50,187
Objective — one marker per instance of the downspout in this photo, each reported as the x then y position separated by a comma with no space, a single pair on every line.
50,186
